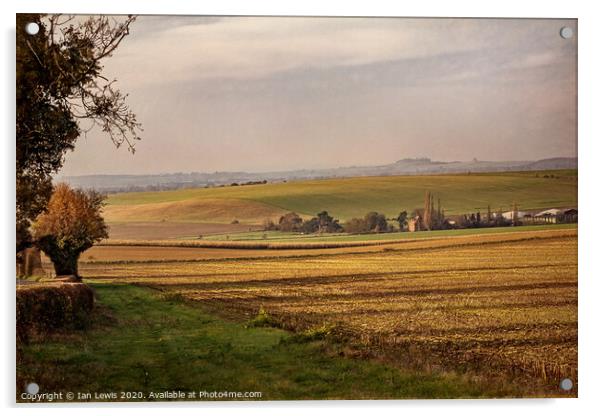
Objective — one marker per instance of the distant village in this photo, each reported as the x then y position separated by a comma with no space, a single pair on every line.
429,218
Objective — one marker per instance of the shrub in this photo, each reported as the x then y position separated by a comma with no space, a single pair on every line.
311,334
402,219
44,308
373,222
310,226
290,222
268,225
263,319
323,223
356,226
328,224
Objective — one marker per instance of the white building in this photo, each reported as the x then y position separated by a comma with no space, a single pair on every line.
549,212
509,215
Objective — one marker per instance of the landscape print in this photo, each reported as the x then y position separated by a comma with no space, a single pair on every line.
295,208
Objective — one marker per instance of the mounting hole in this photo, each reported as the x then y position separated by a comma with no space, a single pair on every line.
32,28
566,384
32,388
566,32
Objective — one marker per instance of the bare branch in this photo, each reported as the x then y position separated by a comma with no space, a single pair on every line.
94,39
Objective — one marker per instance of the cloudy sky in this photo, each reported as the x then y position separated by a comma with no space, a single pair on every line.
265,93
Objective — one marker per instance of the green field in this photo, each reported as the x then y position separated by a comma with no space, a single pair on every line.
347,197
296,237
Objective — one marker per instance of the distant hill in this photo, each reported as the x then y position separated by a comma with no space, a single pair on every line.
347,197
193,211
417,166
555,163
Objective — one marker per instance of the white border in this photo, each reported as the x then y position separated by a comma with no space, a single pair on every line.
590,156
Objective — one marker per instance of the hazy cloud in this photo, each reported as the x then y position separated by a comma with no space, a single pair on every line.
259,93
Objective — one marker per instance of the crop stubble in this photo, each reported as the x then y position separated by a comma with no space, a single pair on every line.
496,304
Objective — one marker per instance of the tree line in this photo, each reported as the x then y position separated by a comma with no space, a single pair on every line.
372,222
428,218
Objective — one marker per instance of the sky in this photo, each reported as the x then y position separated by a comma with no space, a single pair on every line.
281,93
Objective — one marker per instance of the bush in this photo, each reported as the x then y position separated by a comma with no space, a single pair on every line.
290,222
268,225
44,308
310,226
263,319
376,222
373,222
323,223
356,226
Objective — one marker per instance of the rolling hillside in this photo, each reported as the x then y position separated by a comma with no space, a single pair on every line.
347,197
408,166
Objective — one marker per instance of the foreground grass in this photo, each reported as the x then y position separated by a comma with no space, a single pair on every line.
141,341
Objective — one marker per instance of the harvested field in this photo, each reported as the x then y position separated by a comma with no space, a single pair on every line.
501,234
161,251
495,304
222,210
167,230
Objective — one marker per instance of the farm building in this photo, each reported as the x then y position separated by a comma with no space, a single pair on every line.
549,215
555,215
509,215
415,224
569,215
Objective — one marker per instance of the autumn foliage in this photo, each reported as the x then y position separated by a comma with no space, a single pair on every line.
71,224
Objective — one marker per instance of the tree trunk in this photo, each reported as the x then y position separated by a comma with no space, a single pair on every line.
65,266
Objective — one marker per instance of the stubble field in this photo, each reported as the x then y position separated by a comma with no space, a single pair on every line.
499,306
